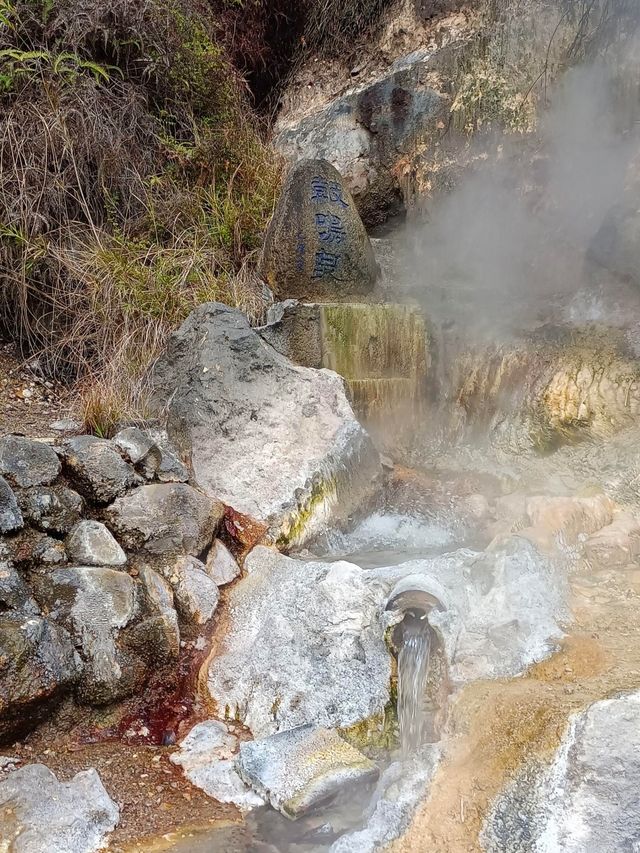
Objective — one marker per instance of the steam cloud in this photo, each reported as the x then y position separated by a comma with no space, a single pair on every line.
506,249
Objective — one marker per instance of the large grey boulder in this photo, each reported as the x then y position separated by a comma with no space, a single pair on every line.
10,514
95,605
300,769
316,245
37,665
586,799
276,442
38,813
53,509
305,641
28,463
369,132
97,469
91,544
165,519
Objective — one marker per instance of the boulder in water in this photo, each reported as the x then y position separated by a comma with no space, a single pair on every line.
37,812
316,244
300,769
276,442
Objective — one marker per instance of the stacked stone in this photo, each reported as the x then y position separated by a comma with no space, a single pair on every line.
107,555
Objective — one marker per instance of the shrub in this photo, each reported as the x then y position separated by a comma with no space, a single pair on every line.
134,183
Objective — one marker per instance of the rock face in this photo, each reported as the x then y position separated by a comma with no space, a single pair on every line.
165,519
95,604
369,130
97,469
28,463
91,544
206,759
316,245
37,664
39,813
586,799
10,515
276,442
300,769
306,640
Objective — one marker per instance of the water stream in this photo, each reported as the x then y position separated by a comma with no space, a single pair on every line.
413,668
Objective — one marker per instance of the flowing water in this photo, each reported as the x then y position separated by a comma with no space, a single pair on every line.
413,668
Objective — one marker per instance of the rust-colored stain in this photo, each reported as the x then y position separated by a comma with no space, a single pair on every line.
494,727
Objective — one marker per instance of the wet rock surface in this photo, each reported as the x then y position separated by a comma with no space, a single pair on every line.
316,244
165,519
305,643
501,611
585,799
96,468
38,812
300,769
276,442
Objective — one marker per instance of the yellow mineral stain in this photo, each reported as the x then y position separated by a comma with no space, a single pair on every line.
494,727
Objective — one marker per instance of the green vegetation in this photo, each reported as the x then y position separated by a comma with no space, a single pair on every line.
135,179
134,184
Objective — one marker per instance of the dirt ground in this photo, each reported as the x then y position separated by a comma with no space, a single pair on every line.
29,402
154,796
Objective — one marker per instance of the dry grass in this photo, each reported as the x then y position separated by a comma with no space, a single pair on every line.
134,184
